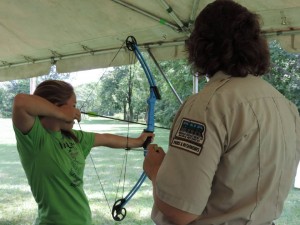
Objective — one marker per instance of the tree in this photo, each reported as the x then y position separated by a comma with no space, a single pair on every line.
124,90
87,99
11,88
285,73
53,75
9,91
4,103
116,93
180,75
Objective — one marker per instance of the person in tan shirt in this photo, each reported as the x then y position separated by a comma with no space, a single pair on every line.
235,146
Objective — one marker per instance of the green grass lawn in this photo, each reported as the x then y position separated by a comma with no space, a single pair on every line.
18,207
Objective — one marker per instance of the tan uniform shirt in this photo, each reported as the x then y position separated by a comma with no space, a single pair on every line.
234,149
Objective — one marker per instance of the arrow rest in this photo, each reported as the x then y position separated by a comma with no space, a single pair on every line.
118,212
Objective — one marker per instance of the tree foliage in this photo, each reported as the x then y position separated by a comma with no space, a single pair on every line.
122,91
11,88
8,92
285,73
180,76
53,75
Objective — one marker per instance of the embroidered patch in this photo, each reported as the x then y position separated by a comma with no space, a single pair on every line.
190,136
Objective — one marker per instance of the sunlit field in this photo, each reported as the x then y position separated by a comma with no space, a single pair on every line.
18,207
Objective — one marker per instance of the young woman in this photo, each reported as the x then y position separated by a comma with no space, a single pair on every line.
53,154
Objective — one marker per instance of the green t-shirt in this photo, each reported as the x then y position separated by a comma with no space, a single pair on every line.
54,166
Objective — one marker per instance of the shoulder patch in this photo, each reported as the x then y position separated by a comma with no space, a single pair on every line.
190,136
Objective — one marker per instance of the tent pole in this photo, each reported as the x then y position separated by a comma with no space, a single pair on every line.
136,9
32,82
164,76
175,17
193,12
195,83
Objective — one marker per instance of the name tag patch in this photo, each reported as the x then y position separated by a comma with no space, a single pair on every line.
190,136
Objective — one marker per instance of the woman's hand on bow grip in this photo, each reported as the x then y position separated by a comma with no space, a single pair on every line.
146,136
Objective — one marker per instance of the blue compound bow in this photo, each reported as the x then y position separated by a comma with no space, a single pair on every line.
118,210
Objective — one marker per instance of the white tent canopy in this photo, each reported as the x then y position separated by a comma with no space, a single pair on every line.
81,35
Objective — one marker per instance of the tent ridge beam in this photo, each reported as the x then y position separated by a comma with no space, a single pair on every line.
57,57
286,32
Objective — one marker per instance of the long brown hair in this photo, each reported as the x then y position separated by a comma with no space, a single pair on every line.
227,37
57,92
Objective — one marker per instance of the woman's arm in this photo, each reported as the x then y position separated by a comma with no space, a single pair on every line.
27,107
116,141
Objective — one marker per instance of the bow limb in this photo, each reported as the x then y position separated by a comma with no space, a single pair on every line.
118,210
